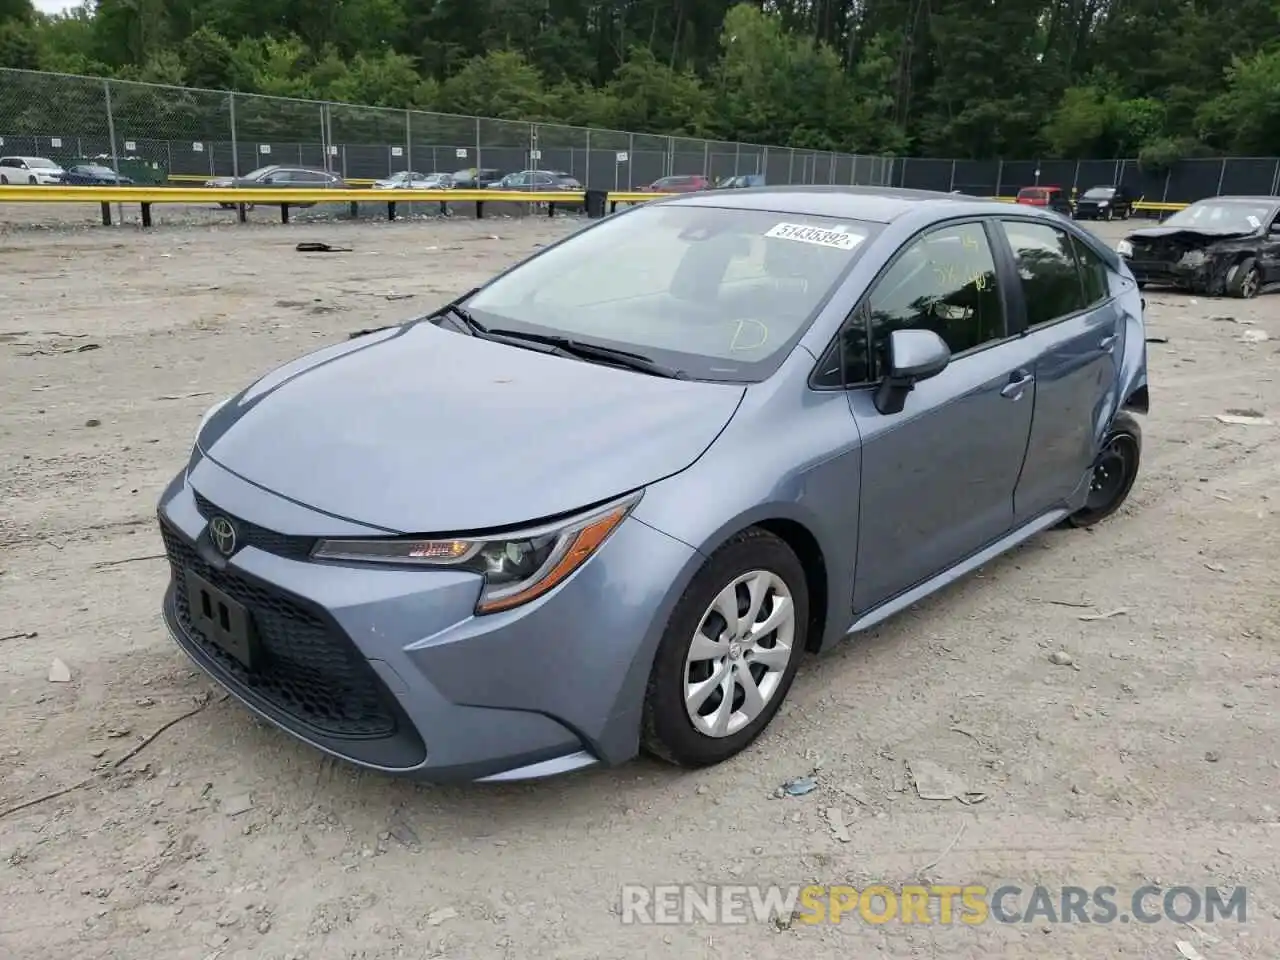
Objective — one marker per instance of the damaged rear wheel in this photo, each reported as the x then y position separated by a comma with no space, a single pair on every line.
1244,279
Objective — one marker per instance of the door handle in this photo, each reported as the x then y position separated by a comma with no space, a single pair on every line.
1107,344
1018,381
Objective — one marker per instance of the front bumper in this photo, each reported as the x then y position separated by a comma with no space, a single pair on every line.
391,670
1197,275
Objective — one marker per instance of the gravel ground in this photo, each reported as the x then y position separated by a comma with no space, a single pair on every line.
1150,757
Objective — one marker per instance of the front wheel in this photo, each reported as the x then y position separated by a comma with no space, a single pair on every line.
1244,280
729,654
31,181
1114,472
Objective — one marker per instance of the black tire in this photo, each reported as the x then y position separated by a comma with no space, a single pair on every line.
1111,215
31,181
226,206
4,181
667,732
1244,280
1117,469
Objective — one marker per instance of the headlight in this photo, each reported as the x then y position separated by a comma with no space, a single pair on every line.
1104,203
517,567
1124,248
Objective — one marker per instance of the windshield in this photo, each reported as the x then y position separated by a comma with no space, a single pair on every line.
1099,193
259,173
721,294
40,163
1226,217
98,171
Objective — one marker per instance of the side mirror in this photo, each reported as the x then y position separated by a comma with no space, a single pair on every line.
912,356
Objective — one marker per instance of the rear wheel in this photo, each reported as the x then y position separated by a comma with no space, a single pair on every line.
729,654
4,181
1113,473
1244,280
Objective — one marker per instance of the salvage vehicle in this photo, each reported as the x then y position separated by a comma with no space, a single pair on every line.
1105,203
608,500
1222,245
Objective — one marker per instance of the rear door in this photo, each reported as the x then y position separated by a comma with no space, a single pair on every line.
938,478
1071,326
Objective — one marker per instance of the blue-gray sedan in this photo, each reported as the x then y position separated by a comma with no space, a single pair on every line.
607,501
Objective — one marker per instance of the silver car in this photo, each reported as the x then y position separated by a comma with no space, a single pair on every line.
608,501
411,180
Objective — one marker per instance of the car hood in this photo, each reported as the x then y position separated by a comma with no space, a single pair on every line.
1206,234
423,430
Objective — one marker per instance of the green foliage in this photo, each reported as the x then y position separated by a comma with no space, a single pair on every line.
956,78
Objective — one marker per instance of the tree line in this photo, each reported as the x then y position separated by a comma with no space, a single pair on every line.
1157,79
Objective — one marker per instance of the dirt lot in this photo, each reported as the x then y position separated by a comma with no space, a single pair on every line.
1151,757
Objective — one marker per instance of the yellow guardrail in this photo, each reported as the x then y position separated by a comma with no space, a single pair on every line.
243,197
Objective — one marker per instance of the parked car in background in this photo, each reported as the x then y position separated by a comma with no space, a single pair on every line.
94,175
538,180
1221,245
33,171
278,177
640,572
1105,203
741,182
411,180
1051,198
684,183
473,178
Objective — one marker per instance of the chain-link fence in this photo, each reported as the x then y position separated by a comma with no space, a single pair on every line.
157,134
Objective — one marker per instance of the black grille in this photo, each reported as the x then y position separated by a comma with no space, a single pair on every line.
252,535
309,670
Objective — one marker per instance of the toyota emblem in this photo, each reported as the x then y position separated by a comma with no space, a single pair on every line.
223,534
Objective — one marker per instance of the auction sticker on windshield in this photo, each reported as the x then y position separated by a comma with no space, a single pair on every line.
838,238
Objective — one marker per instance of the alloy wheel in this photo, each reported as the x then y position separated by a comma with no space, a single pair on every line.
1249,283
739,653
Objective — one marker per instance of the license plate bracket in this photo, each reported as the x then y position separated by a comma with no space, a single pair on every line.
226,622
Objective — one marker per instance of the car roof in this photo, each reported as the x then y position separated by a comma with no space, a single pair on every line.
1274,201
872,204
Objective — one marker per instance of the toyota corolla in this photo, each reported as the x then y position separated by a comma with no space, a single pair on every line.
609,500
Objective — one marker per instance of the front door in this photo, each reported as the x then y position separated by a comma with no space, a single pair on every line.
1073,326
938,478
1269,252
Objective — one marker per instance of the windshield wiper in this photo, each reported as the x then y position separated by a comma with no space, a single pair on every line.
592,351
457,311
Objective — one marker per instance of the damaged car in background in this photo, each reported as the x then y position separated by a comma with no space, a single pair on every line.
1223,245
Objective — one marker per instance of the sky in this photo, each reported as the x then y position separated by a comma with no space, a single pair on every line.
55,6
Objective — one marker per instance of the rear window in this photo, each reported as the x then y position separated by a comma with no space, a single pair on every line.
1032,193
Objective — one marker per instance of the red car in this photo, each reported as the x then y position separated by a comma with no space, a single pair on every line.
687,183
1055,198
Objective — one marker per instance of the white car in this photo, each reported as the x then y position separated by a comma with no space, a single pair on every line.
29,170
411,180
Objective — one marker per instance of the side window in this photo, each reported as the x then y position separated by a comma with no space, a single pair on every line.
8,162
1051,285
847,362
1093,274
946,282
